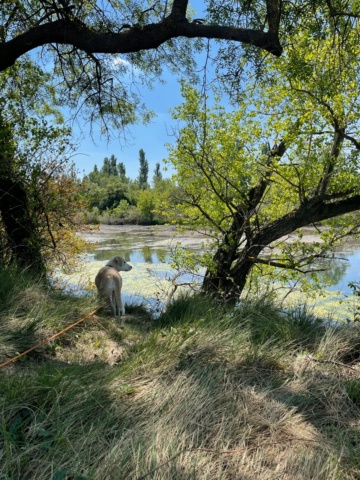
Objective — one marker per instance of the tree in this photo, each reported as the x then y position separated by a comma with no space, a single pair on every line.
31,132
157,174
146,204
287,157
56,200
82,41
39,199
86,28
121,170
113,166
94,175
20,243
78,39
108,192
105,169
109,167
143,170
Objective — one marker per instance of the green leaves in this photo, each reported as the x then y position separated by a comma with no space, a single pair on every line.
287,152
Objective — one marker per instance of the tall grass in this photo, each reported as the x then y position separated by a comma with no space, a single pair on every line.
202,393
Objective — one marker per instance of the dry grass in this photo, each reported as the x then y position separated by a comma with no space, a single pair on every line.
202,393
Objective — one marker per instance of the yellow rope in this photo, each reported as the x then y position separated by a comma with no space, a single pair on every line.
53,336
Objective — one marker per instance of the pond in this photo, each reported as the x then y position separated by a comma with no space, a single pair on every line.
147,249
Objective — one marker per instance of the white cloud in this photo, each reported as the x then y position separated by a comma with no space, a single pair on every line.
118,61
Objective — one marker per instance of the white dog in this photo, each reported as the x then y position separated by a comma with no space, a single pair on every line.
108,282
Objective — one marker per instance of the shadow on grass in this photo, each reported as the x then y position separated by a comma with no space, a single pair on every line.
204,380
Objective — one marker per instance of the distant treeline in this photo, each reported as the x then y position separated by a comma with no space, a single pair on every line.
114,198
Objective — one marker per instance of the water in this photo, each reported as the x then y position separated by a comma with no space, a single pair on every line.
151,246
346,270
147,249
145,254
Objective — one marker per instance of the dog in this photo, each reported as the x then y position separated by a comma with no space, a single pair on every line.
109,282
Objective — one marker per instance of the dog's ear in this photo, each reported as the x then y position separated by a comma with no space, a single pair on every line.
119,261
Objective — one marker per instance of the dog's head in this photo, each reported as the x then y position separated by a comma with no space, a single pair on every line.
119,264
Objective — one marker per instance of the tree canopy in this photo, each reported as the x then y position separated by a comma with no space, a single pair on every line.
125,27
80,41
285,158
38,188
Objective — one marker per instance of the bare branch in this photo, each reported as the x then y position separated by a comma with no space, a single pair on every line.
287,266
355,142
134,39
334,12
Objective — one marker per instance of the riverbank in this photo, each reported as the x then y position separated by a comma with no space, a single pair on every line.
159,233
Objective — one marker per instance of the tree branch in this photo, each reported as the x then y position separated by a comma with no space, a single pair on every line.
134,39
286,266
330,164
178,10
341,13
273,8
256,193
355,142
311,211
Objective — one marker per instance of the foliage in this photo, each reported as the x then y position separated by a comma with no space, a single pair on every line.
108,191
100,58
146,205
109,167
287,157
98,86
355,287
157,174
40,162
57,198
143,170
114,198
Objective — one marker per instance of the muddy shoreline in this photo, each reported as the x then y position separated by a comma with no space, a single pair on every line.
163,235
154,236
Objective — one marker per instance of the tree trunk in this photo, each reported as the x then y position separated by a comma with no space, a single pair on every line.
20,233
224,286
19,229
228,279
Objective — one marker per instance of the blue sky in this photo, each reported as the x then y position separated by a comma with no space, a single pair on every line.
151,138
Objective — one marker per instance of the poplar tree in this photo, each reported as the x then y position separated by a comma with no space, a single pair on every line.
143,170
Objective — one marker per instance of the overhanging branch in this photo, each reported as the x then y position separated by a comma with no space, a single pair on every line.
287,265
312,211
133,39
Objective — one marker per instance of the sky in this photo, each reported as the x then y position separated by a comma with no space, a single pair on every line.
151,138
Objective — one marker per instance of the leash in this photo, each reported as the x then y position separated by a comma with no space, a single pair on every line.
53,336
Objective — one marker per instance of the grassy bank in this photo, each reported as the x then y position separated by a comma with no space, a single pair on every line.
202,393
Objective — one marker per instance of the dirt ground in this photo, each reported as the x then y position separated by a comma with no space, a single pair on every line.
157,235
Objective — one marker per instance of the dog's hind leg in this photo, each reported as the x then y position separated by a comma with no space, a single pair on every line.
120,307
113,304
